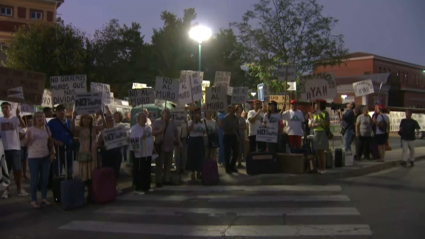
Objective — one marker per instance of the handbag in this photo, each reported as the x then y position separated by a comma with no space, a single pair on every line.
213,142
158,146
86,157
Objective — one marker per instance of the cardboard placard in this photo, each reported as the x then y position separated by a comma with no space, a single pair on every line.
167,89
139,86
216,98
32,84
115,137
263,92
239,95
64,88
88,103
321,86
105,89
47,99
287,72
222,79
141,96
267,134
178,116
363,88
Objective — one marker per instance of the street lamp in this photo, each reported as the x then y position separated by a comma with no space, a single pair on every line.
343,98
200,34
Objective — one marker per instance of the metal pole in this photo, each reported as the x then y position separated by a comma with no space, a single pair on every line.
199,61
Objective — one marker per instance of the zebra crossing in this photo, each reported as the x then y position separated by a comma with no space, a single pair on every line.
228,211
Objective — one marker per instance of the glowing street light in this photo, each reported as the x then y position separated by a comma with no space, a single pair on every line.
200,34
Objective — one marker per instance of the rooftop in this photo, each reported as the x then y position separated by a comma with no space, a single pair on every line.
365,55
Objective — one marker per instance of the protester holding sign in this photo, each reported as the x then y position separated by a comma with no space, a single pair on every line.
230,124
320,124
348,126
295,125
242,134
211,134
195,147
255,117
272,119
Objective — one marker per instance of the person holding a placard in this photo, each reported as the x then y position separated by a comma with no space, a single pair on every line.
294,125
320,124
9,132
348,126
242,134
255,117
230,125
195,145
272,119
212,129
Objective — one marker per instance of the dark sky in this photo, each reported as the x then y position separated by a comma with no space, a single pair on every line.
390,28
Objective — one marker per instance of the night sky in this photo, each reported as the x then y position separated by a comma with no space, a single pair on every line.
390,28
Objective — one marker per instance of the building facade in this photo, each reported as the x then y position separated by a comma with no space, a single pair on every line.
15,13
396,83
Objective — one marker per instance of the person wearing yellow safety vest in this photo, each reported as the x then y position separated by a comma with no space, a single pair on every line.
320,124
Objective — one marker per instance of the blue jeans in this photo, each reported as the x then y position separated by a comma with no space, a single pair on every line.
60,156
39,168
348,139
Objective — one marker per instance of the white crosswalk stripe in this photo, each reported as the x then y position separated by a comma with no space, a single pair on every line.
233,211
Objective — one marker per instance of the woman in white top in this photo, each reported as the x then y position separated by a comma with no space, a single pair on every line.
195,147
141,146
39,144
272,119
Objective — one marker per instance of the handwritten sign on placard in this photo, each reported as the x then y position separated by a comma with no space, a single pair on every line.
216,98
239,95
287,72
179,116
32,84
105,89
363,88
167,89
139,86
222,79
88,103
141,96
47,98
267,134
64,88
263,92
115,137
321,86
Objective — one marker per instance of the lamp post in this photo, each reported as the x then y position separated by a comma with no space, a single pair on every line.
200,34
343,98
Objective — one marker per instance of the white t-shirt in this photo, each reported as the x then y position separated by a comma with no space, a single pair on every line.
294,121
9,131
273,120
253,127
198,129
37,147
22,131
141,147
212,126
379,119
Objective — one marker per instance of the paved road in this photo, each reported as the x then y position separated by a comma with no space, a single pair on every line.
394,142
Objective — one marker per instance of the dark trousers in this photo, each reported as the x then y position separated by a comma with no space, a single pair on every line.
253,144
363,144
142,173
112,159
231,150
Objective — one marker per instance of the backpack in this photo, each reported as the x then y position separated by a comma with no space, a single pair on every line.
383,125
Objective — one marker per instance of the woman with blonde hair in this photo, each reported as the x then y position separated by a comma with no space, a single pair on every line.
87,154
40,152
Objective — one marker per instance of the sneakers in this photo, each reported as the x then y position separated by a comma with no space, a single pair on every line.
5,194
22,193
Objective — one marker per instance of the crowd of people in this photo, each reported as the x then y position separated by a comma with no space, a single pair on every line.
227,137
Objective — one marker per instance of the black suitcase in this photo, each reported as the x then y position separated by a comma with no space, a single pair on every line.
338,158
56,181
261,163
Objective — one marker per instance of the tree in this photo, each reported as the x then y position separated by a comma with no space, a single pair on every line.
53,49
288,31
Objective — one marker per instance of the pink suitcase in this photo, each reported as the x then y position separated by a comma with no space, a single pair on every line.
210,172
103,185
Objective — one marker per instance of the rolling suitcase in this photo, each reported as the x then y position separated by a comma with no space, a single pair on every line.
56,181
71,191
262,163
339,159
311,164
103,184
210,172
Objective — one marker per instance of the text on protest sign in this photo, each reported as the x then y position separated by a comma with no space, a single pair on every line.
64,88
32,84
239,95
115,137
141,96
263,92
88,103
47,99
267,134
363,88
167,89
105,88
287,72
321,86
190,87
222,78
216,98
26,108
179,116
139,86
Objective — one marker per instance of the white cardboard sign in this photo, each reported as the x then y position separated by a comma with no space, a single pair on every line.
178,116
64,88
216,98
141,96
88,103
315,87
115,137
27,108
139,86
267,134
47,98
363,88
105,88
222,78
167,89
239,95
287,72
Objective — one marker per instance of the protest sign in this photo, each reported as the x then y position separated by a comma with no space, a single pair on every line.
115,137
88,103
363,88
167,89
239,95
160,103
263,92
47,98
64,88
139,86
190,87
267,134
205,84
287,73
32,84
222,79
27,108
280,100
321,86
196,80
216,98
179,116
141,96
105,89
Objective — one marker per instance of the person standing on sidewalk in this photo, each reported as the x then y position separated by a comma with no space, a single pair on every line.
381,123
255,118
348,126
9,131
195,145
295,127
408,128
230,125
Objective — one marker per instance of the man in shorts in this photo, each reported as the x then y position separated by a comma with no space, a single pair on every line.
9,131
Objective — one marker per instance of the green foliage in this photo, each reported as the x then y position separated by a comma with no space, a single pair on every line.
279,32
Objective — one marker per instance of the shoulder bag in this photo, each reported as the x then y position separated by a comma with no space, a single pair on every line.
86,157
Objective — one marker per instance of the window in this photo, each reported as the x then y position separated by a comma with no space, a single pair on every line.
6,11
36,15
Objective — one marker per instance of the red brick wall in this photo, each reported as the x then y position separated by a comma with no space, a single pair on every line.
349,68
